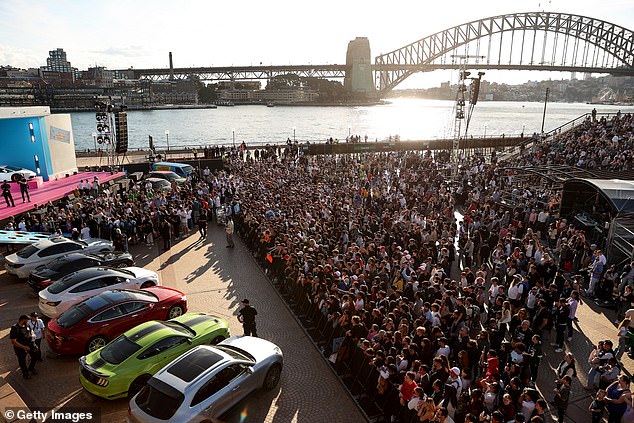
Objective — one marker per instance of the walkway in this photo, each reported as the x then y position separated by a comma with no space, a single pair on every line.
215,280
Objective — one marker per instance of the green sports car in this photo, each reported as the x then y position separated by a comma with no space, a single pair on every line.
122,367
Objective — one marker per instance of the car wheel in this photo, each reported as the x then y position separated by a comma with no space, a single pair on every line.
272,377
136,386
147,284
95,343
217,340
16,177
175,311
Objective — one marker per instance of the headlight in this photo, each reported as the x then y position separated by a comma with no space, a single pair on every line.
16,265
53,303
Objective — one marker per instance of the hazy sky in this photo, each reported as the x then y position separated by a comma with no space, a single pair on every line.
140,33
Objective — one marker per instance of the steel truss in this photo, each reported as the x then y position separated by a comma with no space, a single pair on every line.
588,45
243,72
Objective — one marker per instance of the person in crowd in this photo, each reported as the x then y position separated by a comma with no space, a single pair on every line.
22,340
6,193
38,329
562,396
24,189
597,406
229,233
617,396
246,316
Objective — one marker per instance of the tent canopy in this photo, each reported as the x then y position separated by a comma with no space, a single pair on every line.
618,193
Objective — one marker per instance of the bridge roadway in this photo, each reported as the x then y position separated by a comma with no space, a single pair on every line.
215,279
236,73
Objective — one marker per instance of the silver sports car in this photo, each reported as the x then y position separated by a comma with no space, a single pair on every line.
207,381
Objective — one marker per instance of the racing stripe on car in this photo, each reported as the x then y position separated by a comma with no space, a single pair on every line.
154,327
200,319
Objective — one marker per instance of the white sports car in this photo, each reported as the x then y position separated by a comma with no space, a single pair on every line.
43,252
85,283
14,173
202,384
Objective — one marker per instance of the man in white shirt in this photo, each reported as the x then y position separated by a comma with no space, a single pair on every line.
85,233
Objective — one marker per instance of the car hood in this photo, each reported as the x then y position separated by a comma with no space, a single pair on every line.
96,242
259,348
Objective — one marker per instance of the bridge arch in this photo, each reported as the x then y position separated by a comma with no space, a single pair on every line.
610,41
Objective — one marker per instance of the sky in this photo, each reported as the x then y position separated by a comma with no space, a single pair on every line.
139,33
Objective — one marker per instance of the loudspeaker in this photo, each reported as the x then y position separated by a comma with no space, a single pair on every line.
121,125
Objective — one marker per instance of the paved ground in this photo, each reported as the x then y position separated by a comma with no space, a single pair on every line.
215,280
595,323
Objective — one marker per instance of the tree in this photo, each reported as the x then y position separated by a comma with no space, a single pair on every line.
207,93
284,82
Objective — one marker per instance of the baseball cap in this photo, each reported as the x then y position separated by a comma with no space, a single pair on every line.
245,301
455,371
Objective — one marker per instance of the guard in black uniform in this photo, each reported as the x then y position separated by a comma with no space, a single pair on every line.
6,193
246,316
22,339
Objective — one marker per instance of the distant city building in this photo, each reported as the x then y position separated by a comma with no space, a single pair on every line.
58,62
297,95
98,76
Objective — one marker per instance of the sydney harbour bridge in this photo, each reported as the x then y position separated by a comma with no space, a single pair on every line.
541,41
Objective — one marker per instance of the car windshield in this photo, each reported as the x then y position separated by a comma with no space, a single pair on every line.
64,283
12,168
235,352
170,176
82,310
159,400
187,169
119,350
57,264
27,252
180,328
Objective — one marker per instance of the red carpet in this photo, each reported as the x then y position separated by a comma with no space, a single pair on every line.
51,191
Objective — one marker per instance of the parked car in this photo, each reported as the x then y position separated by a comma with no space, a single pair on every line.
122,367
43,252
92,323
204,383
181,169
85,283
15,173
159,184
168,176
44,275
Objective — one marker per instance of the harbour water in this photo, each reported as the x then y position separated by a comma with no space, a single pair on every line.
410,119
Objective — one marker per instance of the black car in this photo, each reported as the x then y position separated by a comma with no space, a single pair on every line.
43,276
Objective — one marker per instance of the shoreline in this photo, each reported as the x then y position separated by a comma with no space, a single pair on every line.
215,106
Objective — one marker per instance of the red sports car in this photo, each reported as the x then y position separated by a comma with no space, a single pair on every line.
92,323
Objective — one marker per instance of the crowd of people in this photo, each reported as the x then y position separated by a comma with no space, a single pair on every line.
605,142
453,310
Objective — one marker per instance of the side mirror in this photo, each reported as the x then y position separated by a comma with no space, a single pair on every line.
249,370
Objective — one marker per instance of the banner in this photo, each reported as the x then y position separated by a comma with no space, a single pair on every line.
61,135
